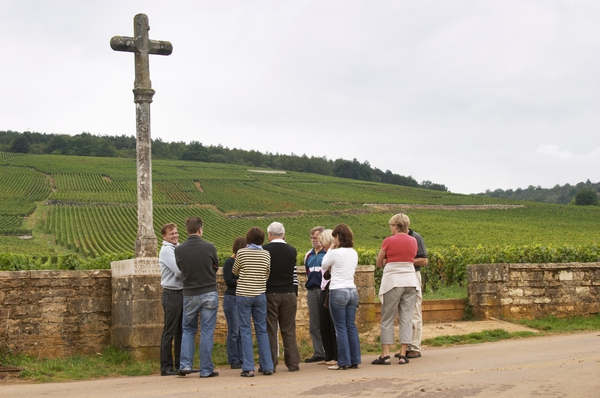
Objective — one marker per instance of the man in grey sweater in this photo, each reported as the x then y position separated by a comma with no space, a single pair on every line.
172,301
198,262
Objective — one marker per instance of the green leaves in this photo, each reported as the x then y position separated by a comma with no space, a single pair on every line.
449,266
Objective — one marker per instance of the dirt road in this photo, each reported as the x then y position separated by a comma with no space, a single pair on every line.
555,366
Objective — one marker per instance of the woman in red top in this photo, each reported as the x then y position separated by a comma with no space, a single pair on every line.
399,287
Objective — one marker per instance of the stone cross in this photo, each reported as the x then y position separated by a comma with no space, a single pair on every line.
141,46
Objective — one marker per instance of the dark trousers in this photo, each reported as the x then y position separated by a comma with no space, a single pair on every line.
327,329
170,344
281,309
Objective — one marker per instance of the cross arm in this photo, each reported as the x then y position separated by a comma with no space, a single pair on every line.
129,44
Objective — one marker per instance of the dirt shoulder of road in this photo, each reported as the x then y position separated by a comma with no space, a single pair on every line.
432,330
458,328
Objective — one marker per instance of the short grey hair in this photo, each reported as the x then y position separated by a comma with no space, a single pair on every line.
318,229
276,229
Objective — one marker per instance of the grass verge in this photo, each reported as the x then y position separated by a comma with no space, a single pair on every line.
485,336
446,292
111,362
566,325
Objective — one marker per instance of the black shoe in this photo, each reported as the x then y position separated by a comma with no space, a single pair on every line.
294,368
314,358
267,372
184,372
273,371
213,374
236,365
247,373
169,372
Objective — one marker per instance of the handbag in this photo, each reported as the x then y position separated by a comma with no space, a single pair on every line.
327,277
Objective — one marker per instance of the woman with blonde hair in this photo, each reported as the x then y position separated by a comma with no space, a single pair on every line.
399,287
326,326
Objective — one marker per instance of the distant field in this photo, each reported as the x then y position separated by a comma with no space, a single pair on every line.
87,205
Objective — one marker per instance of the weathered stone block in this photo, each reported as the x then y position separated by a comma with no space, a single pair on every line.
565,275
87,304
515,292
582,290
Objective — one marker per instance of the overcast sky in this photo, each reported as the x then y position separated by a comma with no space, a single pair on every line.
475,95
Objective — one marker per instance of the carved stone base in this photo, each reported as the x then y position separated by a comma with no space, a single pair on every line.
137,314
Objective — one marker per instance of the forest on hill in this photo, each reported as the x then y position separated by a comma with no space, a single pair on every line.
86,144
583,193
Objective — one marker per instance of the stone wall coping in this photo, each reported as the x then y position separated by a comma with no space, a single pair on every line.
107,273
39,274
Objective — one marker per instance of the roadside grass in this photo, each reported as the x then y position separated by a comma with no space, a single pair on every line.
446,292
552,324
111,362
485,336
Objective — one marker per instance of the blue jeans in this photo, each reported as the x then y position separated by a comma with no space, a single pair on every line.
343,304
234,341
204,305
257,308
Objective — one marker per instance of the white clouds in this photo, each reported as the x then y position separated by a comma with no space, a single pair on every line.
554,150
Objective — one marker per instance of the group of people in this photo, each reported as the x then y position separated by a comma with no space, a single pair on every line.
262,290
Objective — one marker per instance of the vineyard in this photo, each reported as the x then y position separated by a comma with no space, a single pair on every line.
86,207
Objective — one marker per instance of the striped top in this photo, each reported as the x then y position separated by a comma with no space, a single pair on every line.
253,267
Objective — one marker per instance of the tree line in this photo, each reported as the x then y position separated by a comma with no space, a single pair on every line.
583,193
86,144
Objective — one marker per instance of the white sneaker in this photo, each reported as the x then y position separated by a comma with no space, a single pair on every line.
335,367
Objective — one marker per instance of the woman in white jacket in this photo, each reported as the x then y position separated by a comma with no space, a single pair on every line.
341,260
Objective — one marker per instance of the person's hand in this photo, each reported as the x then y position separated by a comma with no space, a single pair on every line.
333,245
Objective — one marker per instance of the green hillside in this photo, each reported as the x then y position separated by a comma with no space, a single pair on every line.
87,205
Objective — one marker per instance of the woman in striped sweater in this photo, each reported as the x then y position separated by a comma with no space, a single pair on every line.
253,265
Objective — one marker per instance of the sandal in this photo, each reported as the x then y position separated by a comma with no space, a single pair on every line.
402,358
382,361
413,354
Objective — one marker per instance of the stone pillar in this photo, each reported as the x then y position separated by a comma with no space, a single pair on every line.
137,314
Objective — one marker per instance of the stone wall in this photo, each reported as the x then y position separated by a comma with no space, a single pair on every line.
55,313
529,291
60,313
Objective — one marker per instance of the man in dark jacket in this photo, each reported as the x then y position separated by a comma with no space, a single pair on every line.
198,262
282,301
312,262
